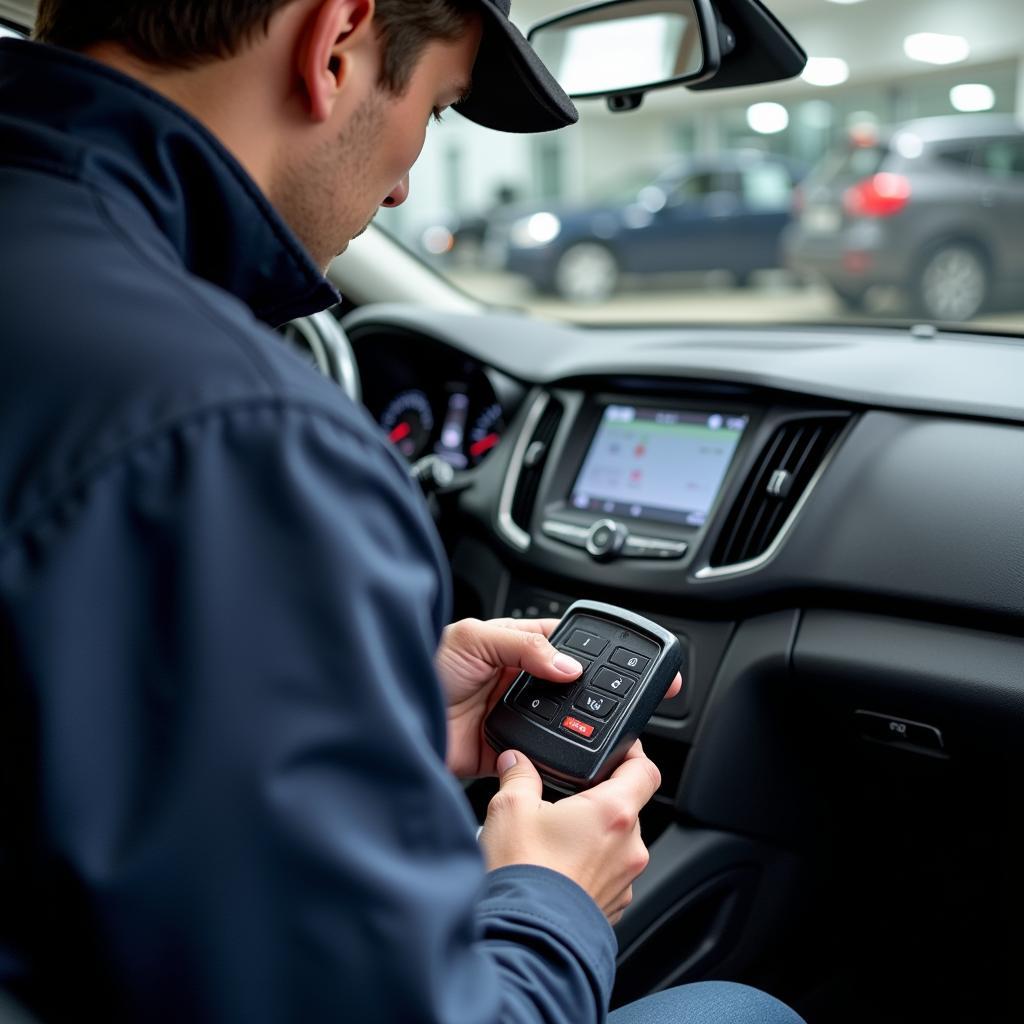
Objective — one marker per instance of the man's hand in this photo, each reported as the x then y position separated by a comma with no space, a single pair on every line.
592,837
476,661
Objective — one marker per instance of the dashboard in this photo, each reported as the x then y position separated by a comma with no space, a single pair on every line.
831,520
893,465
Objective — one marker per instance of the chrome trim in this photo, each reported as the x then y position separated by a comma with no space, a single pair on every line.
618,537
754,564
565,531
514,534
677,547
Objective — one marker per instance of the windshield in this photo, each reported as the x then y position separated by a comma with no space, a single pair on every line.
885,184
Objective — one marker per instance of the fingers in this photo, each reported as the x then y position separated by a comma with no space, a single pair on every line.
675,688
636,780
526,648
543,626
518,777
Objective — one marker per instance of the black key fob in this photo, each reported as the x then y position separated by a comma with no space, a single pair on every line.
578,733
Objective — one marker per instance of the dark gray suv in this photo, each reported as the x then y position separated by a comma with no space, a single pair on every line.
934,207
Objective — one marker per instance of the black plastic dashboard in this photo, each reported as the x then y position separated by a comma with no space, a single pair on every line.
920,504
848,588
872,474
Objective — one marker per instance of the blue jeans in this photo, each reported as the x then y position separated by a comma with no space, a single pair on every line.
707,1002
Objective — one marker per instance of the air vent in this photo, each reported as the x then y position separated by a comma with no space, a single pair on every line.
534,458
774,487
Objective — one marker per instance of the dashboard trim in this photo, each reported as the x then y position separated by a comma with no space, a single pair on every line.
515,535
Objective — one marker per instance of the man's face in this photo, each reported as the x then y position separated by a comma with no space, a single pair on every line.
330,195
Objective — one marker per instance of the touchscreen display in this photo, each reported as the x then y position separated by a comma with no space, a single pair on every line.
657,464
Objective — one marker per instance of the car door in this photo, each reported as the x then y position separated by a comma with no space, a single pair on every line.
766,203
693,230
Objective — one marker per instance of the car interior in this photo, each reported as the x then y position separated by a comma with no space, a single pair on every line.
830,518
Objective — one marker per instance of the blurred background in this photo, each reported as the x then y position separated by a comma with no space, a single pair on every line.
887,183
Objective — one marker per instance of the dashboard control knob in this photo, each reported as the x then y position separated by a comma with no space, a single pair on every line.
606,539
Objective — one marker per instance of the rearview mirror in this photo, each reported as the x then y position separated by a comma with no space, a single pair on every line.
625,48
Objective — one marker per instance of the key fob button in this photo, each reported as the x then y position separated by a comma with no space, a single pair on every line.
587,643
576,657
596,704
614,682
629,660
574,725
542,707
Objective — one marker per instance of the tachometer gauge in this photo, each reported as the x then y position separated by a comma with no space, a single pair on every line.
409,422
486,433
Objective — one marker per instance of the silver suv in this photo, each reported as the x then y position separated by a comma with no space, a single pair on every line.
934,207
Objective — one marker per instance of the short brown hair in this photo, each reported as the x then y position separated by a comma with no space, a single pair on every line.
186,33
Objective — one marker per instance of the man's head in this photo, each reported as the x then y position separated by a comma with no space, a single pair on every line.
326,102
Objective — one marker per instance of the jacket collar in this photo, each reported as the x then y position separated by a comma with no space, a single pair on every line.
113,133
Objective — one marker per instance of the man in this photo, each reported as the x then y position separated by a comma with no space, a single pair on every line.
224,742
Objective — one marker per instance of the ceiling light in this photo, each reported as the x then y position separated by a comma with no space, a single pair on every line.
768,118
5,31
971,98
826,71
933,48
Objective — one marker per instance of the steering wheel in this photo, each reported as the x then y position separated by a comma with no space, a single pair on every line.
322,340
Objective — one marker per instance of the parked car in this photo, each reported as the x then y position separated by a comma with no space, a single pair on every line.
934,207
717,213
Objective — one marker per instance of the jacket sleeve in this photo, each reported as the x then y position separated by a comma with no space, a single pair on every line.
230,631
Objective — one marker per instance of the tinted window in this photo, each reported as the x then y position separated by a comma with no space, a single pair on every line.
961,155
699,186
1002,158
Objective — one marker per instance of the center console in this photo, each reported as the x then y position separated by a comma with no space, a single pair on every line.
642,480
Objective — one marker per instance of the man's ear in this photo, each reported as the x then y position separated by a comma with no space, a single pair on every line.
334,29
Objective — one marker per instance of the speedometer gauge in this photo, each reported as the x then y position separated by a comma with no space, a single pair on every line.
486,432
409,422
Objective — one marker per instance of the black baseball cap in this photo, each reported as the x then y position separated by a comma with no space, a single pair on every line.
512,90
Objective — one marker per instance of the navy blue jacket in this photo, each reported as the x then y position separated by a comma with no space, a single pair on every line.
222,786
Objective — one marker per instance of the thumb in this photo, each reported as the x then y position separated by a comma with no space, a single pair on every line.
517,775
530,651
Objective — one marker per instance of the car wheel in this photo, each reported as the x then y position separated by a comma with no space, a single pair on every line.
952,284
586,272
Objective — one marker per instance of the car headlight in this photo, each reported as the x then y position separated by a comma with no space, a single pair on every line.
534,231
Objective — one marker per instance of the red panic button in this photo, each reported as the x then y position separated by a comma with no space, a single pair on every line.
578,727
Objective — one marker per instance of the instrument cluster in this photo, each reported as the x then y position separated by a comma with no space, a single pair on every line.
429,400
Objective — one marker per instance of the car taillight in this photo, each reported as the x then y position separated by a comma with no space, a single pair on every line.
881,195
